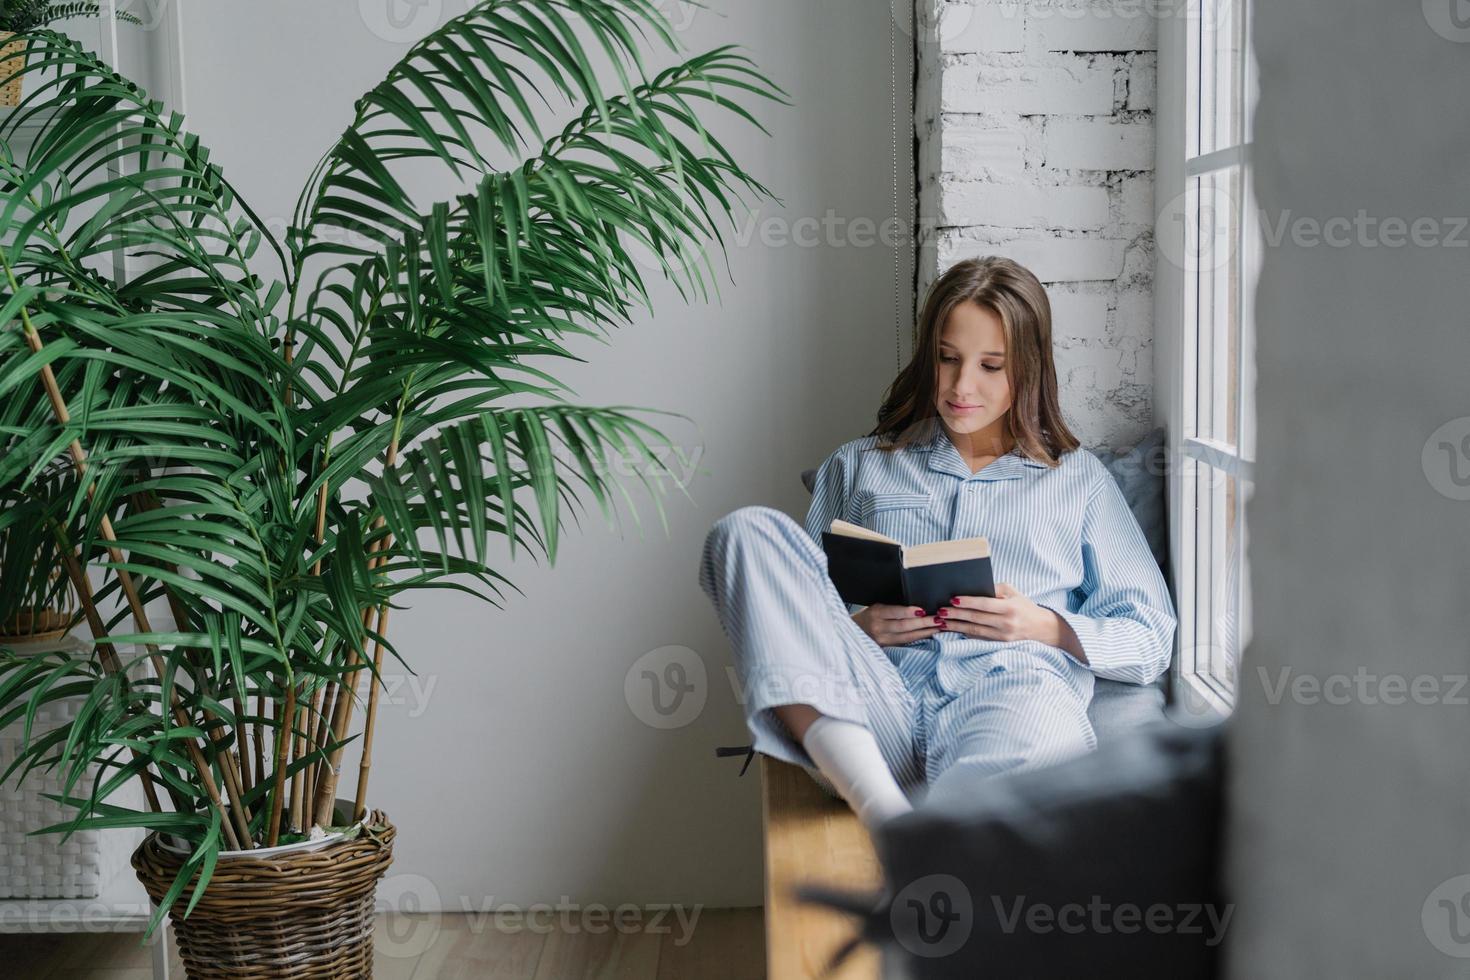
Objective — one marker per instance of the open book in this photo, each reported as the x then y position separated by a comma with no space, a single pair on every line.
868,567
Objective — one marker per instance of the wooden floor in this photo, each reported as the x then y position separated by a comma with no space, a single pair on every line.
724,944
810,836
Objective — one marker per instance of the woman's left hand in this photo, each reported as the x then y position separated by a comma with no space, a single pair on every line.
1009,616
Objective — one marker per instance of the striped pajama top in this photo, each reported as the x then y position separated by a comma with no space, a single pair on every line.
1065,537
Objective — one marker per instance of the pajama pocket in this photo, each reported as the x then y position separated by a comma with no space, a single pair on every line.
906,517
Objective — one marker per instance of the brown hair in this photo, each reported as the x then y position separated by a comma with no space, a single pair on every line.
1016,296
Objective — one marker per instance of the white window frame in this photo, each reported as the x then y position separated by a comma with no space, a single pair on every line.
1178,358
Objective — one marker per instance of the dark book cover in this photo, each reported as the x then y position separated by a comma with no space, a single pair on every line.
867,572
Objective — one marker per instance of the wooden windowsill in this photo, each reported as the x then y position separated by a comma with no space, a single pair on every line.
811,837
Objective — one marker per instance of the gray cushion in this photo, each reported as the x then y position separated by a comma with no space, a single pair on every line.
1140,474
1118,707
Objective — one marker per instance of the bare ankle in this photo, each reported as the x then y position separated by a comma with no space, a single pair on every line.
797,718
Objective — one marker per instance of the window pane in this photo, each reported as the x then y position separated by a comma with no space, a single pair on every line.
1212,304
1252,85
1252,254
1212,625
1192,73
1215,62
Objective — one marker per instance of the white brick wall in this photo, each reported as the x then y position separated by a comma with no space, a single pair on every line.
1065,84
1120,26
1099,144
1036,141
1021,205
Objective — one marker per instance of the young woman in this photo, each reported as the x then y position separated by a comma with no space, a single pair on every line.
887,700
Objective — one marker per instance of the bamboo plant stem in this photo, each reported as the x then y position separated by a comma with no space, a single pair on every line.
313,733
242,748
330,705
359,807
283,730
107,655
260,702
303,782
236,783
79,462
342,716
299,751
237,775
296,751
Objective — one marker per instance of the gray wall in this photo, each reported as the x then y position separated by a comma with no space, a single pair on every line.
1350,820
523,774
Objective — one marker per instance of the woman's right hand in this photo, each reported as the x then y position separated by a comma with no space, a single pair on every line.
895,626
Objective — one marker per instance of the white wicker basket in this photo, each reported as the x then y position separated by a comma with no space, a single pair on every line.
41,865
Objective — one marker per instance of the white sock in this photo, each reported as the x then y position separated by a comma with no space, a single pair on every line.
848,755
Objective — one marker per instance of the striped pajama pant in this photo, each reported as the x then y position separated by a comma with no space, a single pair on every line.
795,642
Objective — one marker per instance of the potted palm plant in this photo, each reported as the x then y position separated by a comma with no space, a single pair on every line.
275,441
20,16
37,604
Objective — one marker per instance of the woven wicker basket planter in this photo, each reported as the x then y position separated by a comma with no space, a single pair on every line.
299,914
40,627
9,91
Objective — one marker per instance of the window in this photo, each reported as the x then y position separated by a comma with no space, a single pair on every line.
1209,259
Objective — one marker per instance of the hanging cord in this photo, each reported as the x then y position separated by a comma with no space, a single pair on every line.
899,316
748,751
898,226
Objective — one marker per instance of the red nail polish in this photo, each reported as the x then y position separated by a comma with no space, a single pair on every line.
954,601
938,620
918,612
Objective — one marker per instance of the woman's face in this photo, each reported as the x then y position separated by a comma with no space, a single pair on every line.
973,392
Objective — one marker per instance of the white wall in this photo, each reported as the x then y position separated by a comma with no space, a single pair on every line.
1350,820
1036,131
524,775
